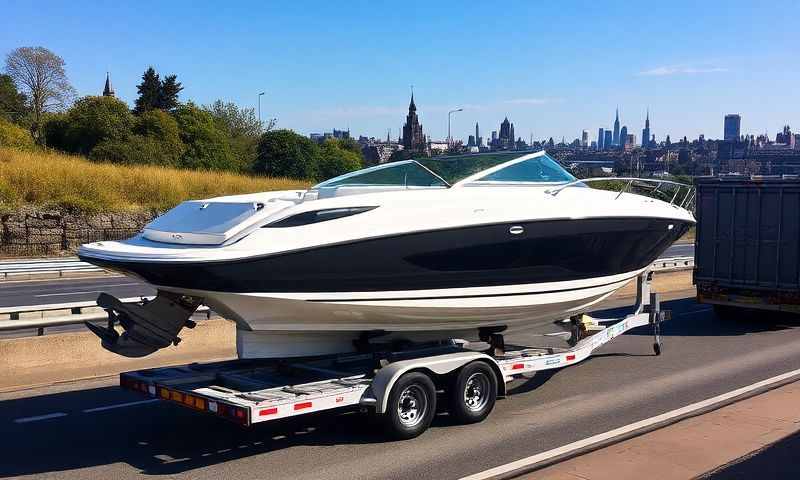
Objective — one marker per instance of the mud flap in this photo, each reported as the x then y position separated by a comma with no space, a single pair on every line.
148,327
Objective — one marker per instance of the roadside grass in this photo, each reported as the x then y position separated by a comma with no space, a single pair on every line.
72,182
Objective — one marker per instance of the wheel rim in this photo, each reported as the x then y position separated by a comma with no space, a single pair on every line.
412,405
476,392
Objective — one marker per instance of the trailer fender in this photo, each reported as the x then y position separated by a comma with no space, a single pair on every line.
386,377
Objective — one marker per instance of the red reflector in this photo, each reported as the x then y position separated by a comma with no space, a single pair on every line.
240,413
570,357
300,406
339,399
268,411
517,366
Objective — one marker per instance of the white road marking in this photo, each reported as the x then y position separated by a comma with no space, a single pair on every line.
587,442
120,405
40,417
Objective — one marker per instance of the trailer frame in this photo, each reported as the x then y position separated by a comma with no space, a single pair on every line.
248,392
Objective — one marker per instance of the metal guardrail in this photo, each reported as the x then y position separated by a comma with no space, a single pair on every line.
40,317
60,266
53,315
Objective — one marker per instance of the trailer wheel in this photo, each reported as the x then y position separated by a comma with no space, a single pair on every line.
473,393
411,406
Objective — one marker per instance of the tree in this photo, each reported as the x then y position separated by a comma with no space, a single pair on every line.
168,94
12,135
162,129
40,73
335,160
283,153
155,93
242,127
149,91
12,102
206,146
95,119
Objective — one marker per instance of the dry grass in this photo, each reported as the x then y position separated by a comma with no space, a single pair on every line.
53,179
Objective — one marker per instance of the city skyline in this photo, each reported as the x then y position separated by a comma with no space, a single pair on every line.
554,89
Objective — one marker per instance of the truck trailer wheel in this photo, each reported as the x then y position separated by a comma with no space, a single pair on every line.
473,393
411,406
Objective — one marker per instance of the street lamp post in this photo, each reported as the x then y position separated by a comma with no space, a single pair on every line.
259,108
449,137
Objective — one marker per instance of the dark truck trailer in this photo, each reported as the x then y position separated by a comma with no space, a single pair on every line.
747,246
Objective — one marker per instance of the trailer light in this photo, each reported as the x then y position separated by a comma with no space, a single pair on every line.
200,403
176,396
570,357
239,413
268,411
301,406
517,366
212,407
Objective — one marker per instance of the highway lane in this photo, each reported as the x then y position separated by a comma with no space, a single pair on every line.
623,383
75,289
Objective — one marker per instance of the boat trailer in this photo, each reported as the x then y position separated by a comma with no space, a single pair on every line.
400,386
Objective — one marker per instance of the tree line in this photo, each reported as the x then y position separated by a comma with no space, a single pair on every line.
38,109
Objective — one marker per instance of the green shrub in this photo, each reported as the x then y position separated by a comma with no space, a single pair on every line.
207,147
335,160
12,135
95,119
284,153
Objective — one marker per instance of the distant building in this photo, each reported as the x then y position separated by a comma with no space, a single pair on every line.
608,140
108,90
471,141
506,138
733,127
623,137
631,140
600,139
317,137
477,135
413,138
615,140
646,131
494,137
585,138
341,134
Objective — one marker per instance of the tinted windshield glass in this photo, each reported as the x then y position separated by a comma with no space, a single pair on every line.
458,167
406,173
537,169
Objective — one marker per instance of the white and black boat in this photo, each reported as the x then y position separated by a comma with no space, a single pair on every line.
412,248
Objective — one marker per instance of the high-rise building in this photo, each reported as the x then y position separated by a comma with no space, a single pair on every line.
615,140
494,137
608,140
108,91
477,135
733,127
471,141
600,138
623,136
585,138
506,138
646,131
413,138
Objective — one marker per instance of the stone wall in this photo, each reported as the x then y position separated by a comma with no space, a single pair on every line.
33,231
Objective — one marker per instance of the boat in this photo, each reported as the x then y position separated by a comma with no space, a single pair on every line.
453,246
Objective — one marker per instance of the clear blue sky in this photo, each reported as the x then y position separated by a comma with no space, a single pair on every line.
554,68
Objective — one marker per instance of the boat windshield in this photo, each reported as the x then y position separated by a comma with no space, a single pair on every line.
406,173
445,171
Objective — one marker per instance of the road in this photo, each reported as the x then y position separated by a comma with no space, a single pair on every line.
66,431
39,292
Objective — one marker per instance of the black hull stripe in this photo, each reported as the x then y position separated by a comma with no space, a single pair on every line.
451,297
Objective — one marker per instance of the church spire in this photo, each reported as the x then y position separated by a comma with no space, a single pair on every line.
108,91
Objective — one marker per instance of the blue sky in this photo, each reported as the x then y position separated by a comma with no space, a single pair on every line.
554,68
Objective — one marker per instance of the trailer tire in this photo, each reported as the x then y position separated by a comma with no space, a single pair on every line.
473,393
411,406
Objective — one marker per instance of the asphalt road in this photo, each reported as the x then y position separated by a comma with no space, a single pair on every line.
39,292
624,382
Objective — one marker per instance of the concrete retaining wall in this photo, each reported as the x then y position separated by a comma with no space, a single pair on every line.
70,356
34,231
